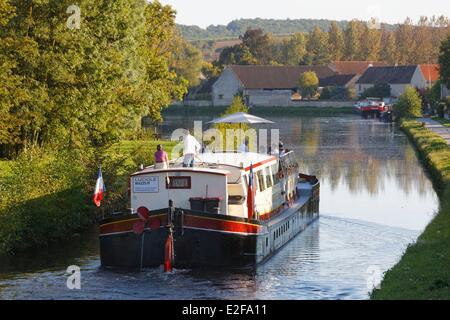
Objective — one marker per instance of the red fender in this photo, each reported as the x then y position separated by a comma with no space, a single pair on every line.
168,259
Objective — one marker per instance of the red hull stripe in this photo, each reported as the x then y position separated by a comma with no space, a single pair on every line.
212,224
221,225
127,225
256,165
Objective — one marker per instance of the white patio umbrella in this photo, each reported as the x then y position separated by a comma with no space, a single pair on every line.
240,117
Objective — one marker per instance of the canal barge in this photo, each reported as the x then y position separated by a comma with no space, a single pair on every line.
371,108
231,210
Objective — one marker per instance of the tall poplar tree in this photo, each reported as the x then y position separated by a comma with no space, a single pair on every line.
336,43
317,51
353,35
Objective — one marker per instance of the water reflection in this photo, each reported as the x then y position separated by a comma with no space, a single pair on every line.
368,170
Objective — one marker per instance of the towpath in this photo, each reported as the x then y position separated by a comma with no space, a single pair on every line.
436,127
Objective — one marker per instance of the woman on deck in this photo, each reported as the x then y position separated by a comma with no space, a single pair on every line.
161,158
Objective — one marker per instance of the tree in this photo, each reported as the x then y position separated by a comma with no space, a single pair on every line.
9,83
186,60
353,37
409,104
259,45
237,54
292,51
444,62
377,91
237,105
296,49
389,53
210,70
336,93
405,41
84,87
308,84
423,47
371,44
336,43
317,48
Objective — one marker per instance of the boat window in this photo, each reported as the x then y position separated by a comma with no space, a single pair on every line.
178,183
245,182
274,170
262,185
235,199
268,177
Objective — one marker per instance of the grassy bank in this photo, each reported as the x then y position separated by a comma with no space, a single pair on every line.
46,196
424,270
263,111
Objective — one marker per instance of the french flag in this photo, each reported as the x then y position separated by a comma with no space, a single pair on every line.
99,188
251,193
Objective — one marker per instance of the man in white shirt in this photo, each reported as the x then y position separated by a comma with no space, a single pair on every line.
190,148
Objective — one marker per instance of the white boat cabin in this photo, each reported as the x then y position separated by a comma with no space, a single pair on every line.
217,184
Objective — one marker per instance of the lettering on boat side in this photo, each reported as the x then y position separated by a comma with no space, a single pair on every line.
229,309
146,184
74,280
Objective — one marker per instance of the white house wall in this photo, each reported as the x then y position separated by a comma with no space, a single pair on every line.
225,88
268,98
418,80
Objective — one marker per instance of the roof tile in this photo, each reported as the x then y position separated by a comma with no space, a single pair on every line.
390,74
276,77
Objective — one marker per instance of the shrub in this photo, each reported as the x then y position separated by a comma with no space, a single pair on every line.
44,198
308,84
47,195
409,104
441,109
333,92
377,91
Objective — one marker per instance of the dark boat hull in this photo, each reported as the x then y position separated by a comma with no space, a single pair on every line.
204,239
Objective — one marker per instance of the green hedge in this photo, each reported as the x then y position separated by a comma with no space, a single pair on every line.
46,196
424,270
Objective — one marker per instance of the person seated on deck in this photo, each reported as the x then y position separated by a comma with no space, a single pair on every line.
191,147
161,158
244,146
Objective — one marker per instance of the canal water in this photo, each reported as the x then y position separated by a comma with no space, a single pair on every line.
375,200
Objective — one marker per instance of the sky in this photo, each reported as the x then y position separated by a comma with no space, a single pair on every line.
206,12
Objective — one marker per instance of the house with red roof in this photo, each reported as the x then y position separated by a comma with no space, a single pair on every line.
354,67
430,72
420,76
270,85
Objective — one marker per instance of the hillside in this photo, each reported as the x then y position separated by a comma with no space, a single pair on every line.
238,27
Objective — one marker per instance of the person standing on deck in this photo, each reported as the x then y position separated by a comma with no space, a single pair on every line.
161,158
281,150
190,148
